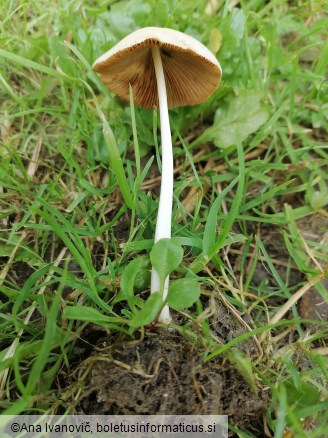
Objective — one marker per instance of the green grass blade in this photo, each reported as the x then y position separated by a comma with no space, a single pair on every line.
116,163
47,345
17,59
209,240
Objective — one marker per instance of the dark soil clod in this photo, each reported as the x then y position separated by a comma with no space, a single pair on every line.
165,374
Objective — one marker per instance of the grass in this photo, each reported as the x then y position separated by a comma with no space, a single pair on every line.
78,203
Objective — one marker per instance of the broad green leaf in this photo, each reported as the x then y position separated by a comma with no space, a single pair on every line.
121,23
302,396
165,256
243,115
233,29
237,23
317,199
131,275
148,312
183,293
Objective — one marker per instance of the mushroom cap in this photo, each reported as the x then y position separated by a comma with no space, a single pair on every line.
191,71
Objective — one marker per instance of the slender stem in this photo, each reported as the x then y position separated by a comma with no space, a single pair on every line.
164,215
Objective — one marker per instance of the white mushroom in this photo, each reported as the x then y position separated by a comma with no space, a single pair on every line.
165,68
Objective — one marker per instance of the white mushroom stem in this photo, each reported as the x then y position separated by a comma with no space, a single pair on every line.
164,215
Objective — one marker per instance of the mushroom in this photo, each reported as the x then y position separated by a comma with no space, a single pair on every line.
167,68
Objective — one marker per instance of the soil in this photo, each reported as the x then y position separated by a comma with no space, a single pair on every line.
164,373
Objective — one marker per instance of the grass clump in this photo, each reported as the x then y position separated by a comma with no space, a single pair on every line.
78,206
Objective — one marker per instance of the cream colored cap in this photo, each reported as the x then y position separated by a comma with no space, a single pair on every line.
191,71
